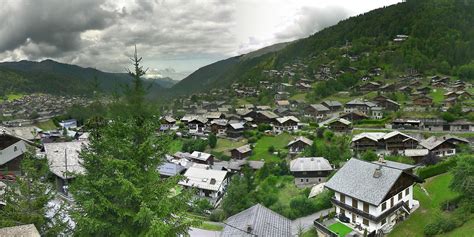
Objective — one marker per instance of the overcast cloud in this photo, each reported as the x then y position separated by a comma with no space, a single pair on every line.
175,37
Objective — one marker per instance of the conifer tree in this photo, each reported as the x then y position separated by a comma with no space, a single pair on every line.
121,193
29,200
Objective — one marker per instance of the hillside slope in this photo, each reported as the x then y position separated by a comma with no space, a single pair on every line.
441,35
49,76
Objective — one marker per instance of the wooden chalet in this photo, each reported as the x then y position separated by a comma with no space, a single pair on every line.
242,152
423,100
298,144
340,125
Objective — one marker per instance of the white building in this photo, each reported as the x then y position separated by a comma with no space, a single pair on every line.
209,183
374,195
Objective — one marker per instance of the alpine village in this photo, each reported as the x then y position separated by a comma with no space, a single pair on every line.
364,128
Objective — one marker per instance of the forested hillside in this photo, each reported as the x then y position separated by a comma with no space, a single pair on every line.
49,76
441,40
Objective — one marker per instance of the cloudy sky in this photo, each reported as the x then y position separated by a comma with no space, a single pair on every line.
174,37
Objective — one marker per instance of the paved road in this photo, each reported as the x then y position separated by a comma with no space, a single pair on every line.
306,222
195,232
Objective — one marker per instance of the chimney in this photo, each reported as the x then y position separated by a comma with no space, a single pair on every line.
382,159
378,172
249,228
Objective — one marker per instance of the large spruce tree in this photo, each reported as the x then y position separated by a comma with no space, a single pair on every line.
121,193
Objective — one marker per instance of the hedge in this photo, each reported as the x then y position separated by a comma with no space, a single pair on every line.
440,168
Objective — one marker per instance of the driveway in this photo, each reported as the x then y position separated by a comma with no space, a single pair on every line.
195,232
306,222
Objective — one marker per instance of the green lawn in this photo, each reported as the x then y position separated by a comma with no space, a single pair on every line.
466,230
225,145
12,97
300,96
340,229
438,190
260,151
47,125
205,225
210,226
437,94
175,146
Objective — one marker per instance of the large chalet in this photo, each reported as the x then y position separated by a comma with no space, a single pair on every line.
375,196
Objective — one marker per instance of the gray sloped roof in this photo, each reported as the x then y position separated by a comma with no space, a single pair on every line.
170,169
310,164
319,107
21,230
301,138
259,221
356,179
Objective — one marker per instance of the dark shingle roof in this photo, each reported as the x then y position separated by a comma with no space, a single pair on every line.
257,220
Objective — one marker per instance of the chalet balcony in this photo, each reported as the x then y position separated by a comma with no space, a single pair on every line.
367,215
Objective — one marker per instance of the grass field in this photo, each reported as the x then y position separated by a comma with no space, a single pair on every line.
48,125
300,96
437,94
225,145
12,97
260,151
340,229
205,225
465,230
438,191
175,146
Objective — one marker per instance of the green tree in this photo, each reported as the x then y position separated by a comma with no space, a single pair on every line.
463,172
212,139
121,194
29,200
369,155
237,197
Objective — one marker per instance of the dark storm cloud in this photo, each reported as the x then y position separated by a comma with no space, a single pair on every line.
102,33
49,27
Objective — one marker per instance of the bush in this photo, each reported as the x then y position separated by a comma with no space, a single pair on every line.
220,156
212,139
194,145
439,225
271,149
264,127
217,215
252,139
201,206
440,168
369,155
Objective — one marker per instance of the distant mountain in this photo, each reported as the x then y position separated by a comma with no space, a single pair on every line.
49,76
440,39
165,82
218,73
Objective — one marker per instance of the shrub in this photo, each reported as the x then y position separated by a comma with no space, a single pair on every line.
212,139
271,149
217,215
252,139
439,225
194,145
264,127
440,168
201,206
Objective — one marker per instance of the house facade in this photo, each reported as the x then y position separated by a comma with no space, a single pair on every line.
310,170
209,184
375,196
299,144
